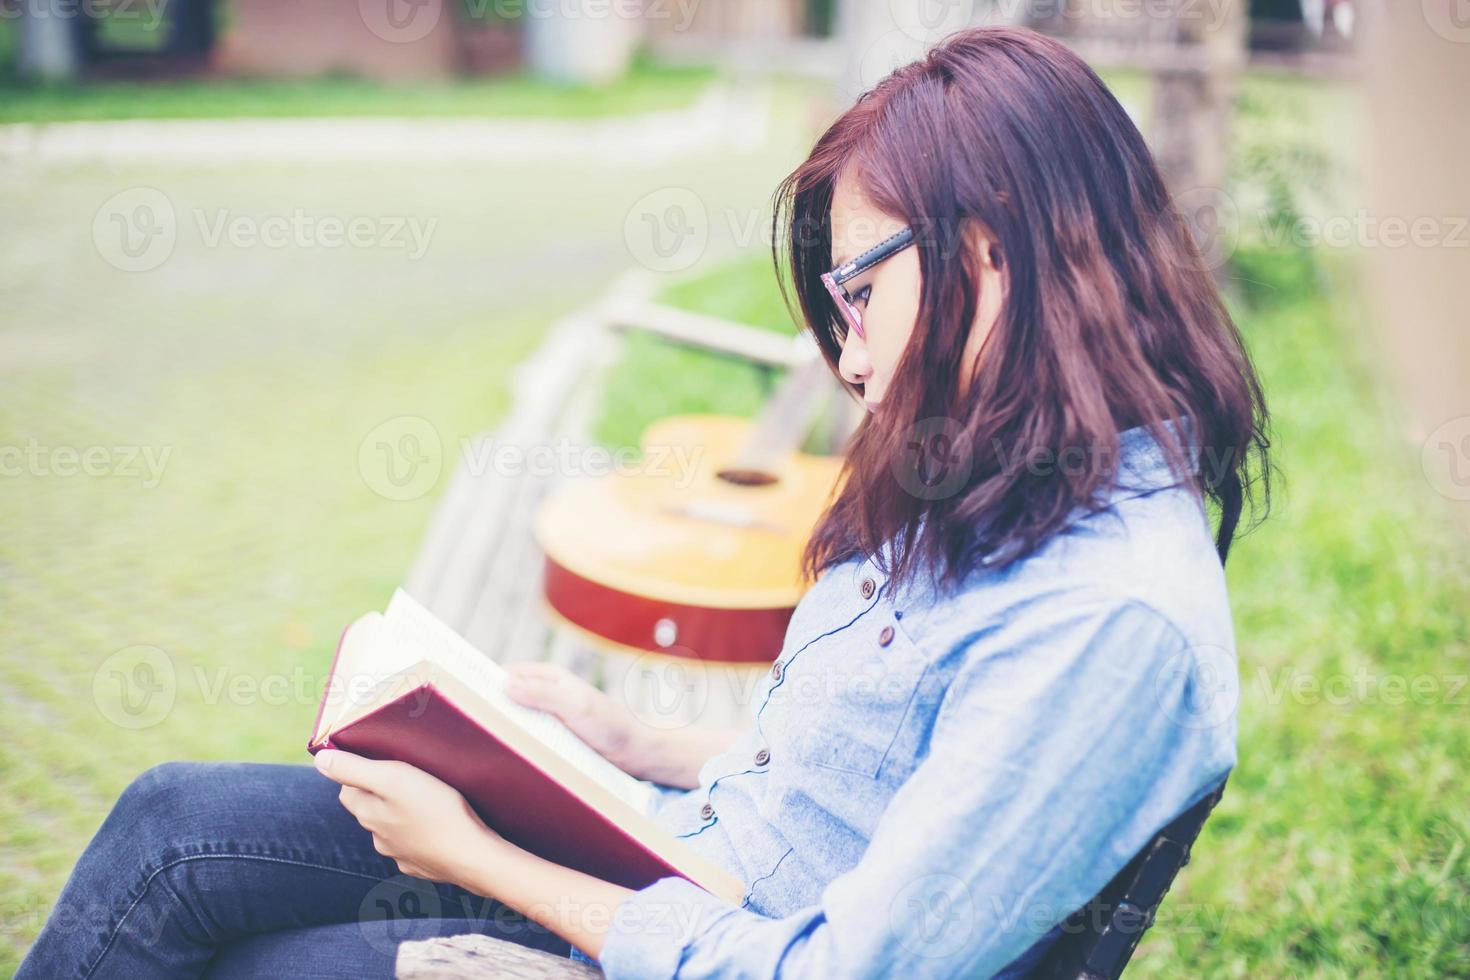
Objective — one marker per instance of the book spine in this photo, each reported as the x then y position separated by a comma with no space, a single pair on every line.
321,708
315,747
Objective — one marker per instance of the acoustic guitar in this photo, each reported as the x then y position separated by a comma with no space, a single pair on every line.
699,561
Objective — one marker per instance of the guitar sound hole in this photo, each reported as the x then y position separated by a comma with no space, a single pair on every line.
747,478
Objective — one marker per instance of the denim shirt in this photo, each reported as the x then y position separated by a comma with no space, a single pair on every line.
933,780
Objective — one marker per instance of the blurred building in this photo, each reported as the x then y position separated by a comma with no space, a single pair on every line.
589,40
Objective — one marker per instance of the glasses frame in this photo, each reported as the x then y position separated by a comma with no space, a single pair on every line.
835,280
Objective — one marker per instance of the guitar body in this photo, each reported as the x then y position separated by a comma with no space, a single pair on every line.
690,555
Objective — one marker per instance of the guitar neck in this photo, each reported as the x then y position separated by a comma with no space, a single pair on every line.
786,418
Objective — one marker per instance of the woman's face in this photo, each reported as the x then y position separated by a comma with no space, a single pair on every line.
887,295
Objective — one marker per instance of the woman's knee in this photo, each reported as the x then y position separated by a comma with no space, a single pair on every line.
206,806
166,790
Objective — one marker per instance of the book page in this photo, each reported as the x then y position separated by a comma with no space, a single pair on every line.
416,628
365,665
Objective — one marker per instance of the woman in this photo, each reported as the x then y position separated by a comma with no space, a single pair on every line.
1002,683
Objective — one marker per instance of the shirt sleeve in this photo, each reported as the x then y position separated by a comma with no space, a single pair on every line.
1058,750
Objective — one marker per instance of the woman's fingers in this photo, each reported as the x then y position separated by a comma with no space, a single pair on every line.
550,688
584,709
357,801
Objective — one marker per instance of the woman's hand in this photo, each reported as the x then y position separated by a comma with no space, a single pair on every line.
428,828
420,822
672,757
609,727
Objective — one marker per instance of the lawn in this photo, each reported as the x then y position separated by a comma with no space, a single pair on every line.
1340,847
648,88
255,372
1339,850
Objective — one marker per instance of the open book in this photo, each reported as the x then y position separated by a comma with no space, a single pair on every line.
405,686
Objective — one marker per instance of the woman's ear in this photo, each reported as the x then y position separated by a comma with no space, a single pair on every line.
982,242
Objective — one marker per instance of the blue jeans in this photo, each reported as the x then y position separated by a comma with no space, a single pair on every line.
227,870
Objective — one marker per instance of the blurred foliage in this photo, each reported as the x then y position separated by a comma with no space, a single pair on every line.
648,87
261,370
1339,850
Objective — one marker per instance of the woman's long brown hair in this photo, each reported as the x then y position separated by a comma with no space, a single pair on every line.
1111,319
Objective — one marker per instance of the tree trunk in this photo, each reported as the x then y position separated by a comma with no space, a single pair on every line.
48,40
1194,96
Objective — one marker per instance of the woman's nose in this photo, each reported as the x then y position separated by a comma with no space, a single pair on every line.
854,365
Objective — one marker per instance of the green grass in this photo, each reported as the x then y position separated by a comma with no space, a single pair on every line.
647,88
1337,852
654,379
261,370
1339,849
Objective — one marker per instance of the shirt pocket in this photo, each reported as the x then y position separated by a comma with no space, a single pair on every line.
867,690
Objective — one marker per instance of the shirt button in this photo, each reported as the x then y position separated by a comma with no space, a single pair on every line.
885,636
762,757
706,811
776,670
867,588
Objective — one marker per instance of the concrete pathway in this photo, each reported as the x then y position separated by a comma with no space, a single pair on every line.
724,116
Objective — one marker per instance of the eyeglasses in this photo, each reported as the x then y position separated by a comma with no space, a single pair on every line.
834,280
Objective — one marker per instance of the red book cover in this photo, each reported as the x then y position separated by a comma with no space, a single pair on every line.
520,786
